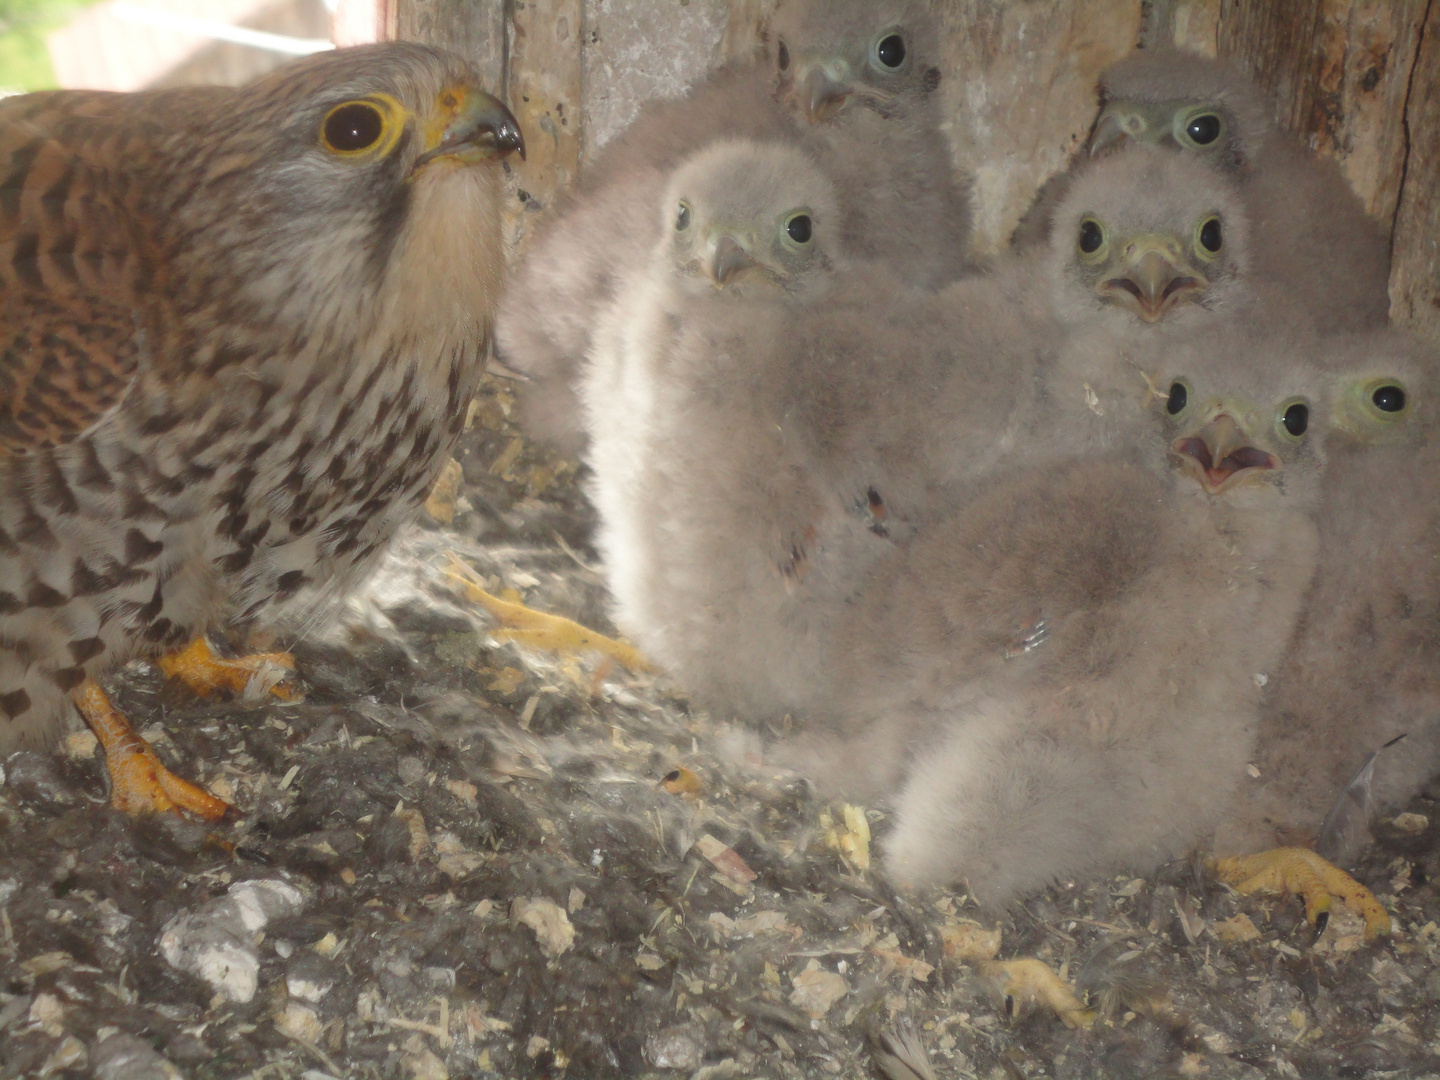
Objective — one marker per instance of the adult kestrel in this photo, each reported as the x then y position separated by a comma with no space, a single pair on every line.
239,329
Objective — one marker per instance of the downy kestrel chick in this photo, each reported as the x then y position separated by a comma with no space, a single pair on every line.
851,84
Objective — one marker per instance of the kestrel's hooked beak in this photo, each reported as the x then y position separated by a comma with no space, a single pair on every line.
1220,456
821,95
1156,278
469,126
728,260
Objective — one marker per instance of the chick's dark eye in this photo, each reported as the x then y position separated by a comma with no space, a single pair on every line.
1091,236
782,57
891,51
1177,400
1389,398
1211,238
1296,419
800,228
682,218
353,127
1203,129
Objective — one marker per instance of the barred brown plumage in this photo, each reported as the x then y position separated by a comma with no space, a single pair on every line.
236,342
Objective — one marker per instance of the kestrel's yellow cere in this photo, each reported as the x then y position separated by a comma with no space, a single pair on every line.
239,329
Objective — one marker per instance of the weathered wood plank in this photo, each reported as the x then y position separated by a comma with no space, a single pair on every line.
1339,71
636,50
745,32
1019,93
1415,249
546,65
473,28
1345,77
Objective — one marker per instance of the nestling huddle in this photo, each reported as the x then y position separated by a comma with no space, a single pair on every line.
1042,551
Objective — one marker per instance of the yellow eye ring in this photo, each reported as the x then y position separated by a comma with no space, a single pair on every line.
1199,128
1374,409
1385,399
364,128
1209,240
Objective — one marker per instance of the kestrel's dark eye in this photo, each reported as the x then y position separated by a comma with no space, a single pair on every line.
891,51
1091,236
1296,419
1389,398
1179,397
782,57
352,127
682,218
1211,238
1203,129
799,228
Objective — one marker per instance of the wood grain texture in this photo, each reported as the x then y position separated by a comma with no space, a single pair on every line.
1019,91
473,28
545,67
1415,250
1339,73
745,33
1350,78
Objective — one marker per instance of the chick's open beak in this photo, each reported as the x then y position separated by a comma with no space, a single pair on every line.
1155,280
1220,456
469,126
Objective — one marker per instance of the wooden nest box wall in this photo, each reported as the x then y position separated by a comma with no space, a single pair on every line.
1357,79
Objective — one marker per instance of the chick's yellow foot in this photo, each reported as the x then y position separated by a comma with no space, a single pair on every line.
139,784
204,672
1027,981
1300,871
539,629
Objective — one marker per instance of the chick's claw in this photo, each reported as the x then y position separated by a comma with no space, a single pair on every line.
1027,980
540,629
1299,871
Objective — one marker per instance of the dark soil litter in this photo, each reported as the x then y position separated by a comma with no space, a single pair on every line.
458,857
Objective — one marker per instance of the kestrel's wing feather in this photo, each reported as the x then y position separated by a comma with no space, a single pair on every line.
77,275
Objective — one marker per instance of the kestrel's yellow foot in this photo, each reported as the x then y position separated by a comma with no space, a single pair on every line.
204,672
540,629
139,784
1027,980
1301,871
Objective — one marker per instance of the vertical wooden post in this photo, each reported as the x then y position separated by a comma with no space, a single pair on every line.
545,83
1415,249
1018,92
745,33
473,28
1356,79
1340,73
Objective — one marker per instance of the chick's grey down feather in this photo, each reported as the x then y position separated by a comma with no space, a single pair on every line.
758,446
1061,679
874,131
1311,236
1364,664
736,425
